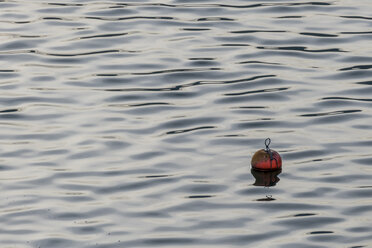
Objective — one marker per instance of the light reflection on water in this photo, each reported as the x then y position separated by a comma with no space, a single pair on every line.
127,124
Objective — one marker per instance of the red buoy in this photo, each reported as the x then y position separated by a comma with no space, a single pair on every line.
266,159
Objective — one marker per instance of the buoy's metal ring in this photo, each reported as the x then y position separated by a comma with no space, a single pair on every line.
268,150
267,143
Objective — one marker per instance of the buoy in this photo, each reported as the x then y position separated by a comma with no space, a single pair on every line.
266,159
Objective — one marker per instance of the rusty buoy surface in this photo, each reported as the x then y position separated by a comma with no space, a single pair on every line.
266,159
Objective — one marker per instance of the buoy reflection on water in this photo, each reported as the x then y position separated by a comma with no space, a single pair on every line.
266,178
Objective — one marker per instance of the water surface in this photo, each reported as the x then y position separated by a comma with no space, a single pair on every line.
132,123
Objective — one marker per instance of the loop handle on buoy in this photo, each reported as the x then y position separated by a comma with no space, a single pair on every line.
267,143
267,149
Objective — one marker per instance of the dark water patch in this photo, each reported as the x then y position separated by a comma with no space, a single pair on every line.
22,44
256,191
303,215
9,110
147,155
365,83
123,187
301,245
327,238
305,154
284,207
85,155
54,242
317,192
246,80
320,232
257,31
63,23
5,167
18,232
250,107
112,12
278,207
356,59
201,188
78,54
337,118
206,63
309,222
357,32
357,91
156,176
115,144
231,141
75,199
267,123
8,75
127,98
52,18
351,74
169,241
199,196
359,229
340,112
365,187
342,179
43,78
196,29
257,91
302,49
290,17
61,9
162,72
268,52
130,18
266,199
189,130
248,238
258,62
62,60
363,161
214,19
66,4
360,193
318,34
359,210
356,67
186,122
233,45
148,110
83,230
39,136
357,17
149,214
179,95
257,96
103,36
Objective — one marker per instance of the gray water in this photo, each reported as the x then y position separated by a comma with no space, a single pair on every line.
132,124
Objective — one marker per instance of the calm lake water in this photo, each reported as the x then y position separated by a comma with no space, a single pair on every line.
133,123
